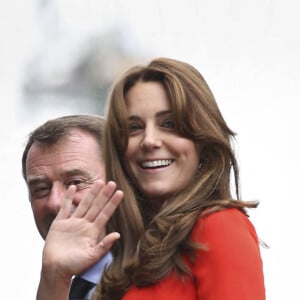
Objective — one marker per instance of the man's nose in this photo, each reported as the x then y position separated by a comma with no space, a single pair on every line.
56,197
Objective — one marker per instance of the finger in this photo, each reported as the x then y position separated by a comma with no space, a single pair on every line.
86,202
107,242
109,209
101,200
66,206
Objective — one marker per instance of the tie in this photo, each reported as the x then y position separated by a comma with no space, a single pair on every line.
79,288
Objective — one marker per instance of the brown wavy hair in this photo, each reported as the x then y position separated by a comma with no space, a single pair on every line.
153,245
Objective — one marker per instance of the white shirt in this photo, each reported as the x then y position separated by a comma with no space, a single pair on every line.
94,273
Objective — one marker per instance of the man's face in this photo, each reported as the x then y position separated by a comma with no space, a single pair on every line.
75,160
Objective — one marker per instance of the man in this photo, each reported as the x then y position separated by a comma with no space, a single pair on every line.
63,152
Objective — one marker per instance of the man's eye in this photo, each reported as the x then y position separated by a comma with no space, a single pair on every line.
169,123
75,182
79,183
40,191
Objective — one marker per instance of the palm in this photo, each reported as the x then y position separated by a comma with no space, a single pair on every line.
75,242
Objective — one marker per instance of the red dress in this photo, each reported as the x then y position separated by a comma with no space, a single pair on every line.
231,268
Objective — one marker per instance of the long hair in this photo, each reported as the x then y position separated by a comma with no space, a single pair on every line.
153,246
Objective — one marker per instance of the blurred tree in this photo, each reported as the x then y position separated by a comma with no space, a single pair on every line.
77,76
73,69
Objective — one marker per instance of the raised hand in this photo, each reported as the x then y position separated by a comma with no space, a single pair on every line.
77,238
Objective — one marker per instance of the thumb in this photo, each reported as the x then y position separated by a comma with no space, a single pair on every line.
106,243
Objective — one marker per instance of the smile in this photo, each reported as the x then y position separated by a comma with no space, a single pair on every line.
156,163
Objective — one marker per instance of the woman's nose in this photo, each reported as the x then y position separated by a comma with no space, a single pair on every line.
151,139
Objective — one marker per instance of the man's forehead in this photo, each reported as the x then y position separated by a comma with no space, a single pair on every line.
75,139
72,154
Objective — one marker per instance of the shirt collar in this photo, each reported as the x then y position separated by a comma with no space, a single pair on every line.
94,273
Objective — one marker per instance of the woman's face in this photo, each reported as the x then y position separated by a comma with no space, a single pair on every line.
160,161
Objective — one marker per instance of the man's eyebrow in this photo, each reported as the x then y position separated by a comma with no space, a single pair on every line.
32,180
76,172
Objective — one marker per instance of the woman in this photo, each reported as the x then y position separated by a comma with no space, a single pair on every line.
183,236
169,150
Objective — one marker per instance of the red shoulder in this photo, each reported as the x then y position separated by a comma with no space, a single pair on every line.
228,222
231,265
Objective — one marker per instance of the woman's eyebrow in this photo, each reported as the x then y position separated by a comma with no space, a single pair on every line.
133,118
163,113
158,114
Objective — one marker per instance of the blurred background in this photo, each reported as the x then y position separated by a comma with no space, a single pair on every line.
61,57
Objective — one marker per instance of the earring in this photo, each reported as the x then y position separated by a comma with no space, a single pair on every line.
198,171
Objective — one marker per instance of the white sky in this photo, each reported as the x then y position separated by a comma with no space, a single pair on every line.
248,51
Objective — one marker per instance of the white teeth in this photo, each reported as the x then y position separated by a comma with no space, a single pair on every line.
156,163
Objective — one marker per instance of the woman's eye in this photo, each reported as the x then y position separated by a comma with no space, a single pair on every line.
134,127
169,123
